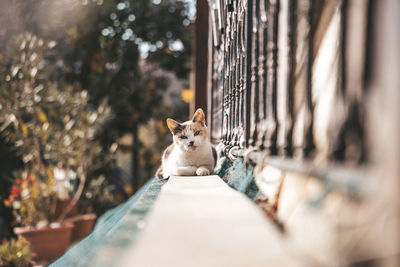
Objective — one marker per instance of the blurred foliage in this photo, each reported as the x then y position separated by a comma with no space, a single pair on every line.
98,196
99,46
109,49
53,129
15,253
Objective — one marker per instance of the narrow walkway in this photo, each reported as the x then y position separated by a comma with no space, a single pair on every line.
201,221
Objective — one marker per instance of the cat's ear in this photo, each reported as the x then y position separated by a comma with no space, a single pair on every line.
199,116
174,126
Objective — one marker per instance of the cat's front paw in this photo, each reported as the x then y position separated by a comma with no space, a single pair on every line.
202,171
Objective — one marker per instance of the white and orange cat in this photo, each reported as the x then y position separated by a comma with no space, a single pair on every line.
191,153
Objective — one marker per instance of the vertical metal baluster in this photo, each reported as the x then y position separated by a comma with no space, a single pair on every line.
233,74
237,73
269,124
337,143
350,145
309,135
230,75
282,67
211,86
227,84
292,20
367,73
254,85
229,36
215,123
225,80
217,108
261,61
220,88
302,131
242,69
230,84
240,72
217,91
248,59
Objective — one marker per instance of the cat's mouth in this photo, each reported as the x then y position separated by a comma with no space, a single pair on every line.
191,148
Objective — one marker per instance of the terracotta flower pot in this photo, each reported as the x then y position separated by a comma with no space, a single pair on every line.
83,225
47,243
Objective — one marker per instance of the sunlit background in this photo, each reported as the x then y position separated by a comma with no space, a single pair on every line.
301,102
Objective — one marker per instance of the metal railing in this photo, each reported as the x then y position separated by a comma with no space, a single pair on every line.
289,78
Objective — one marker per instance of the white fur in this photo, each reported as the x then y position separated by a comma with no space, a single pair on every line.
184,161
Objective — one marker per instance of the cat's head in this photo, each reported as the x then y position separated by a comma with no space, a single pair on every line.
189,135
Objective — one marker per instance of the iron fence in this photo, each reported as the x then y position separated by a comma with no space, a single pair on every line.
290,78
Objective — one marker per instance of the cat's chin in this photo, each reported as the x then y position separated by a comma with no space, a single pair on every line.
191,148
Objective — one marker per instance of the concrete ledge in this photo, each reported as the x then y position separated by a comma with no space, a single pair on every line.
201,221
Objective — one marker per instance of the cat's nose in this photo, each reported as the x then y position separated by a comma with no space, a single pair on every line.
191,143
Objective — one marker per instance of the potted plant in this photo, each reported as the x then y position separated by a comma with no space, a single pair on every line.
32,201
54,132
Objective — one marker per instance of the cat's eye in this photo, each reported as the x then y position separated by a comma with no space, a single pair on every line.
183,137
196,133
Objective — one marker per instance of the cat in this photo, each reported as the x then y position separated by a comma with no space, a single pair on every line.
191,152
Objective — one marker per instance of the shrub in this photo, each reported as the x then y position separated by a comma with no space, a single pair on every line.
15,253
